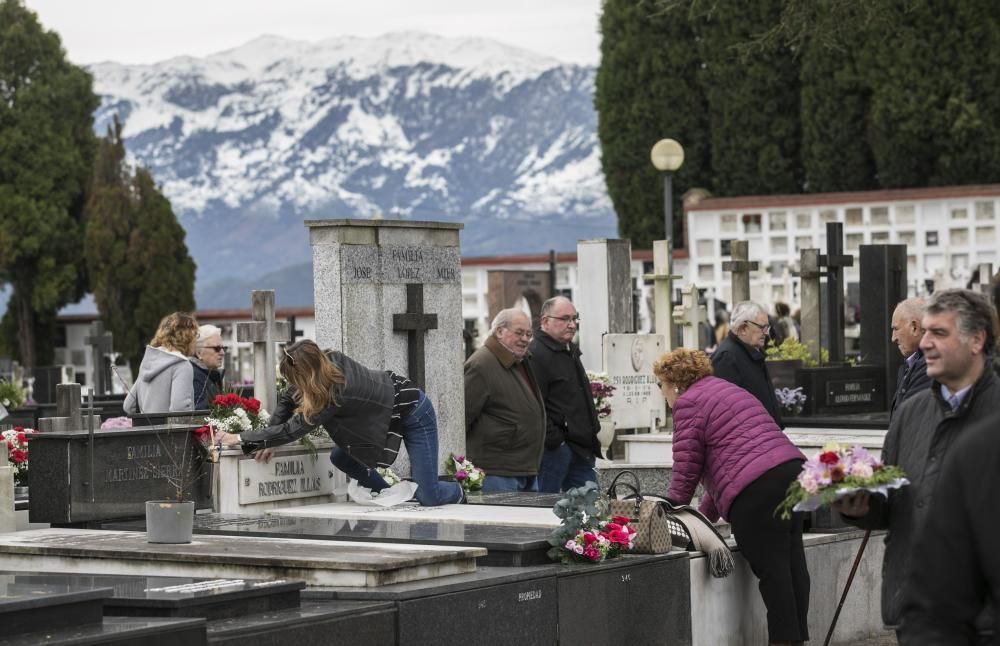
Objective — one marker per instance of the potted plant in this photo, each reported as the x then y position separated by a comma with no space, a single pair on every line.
601,390
12,396
171,520
785,359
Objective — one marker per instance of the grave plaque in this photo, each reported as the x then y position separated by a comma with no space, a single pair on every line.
628,360
833,390
285,477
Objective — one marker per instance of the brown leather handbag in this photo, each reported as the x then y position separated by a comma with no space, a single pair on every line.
655,530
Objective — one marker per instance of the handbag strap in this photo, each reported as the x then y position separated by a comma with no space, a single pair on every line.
633,486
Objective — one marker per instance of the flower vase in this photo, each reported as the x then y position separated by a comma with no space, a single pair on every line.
606,436
20,491
168,521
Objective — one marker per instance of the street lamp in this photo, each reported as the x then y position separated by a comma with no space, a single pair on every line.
667,156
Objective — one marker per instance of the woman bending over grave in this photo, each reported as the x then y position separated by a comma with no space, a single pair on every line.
165,381
366,413
725,439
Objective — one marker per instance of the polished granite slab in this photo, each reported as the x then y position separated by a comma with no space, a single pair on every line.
504,515
39,606
119,631
232,557
167,596
315,623
507,546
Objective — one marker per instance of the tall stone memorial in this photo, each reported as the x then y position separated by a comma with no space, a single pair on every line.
604,300
883,274
388,293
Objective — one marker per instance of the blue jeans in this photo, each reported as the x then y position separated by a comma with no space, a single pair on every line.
563,469
420,436
494,484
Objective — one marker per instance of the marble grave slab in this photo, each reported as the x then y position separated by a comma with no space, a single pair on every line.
232,557
465,514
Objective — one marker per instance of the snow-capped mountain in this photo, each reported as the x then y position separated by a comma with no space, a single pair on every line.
249,142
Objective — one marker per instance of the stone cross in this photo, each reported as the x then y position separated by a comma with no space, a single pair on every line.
834,260
662,297
985,276
415,322
263,331
690,317
100,342
740,266
809,274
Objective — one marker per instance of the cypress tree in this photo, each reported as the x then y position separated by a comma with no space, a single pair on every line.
46,105
646,89
138,263
753,101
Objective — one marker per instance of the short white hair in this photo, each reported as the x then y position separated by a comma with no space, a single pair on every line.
505,318
206,332
744,312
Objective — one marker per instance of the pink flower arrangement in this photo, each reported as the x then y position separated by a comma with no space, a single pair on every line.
606,541
839,471
16,440
465,473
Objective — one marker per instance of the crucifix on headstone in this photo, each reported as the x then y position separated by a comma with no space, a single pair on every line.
663,319
834,260
415,322
263,331
740,266
690,317
296,333
100,342
809,274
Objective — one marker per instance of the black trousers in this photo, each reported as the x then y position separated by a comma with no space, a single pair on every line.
773,548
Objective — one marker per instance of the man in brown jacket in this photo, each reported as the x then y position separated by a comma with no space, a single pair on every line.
504,413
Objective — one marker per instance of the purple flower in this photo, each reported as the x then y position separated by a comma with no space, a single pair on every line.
461,475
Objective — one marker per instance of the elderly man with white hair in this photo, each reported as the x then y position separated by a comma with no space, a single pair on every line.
504,410
739,359
207,363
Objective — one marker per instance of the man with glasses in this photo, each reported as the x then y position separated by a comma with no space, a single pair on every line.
504,414
739,359
207,363
571,444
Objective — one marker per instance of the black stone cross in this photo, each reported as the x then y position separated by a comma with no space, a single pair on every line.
415,322
835,260
100,342
296,334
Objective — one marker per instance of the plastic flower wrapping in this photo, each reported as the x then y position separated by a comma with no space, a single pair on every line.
17,451
601,390
836,472
465,473
791,400
585,533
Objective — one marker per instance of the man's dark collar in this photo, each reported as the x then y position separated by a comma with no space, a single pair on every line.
749,349
552,343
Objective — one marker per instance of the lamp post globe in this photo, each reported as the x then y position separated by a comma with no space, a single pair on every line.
667,156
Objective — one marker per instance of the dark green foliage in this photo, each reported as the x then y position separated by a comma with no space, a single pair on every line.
138,263
46,148
647,90
753,102
793,96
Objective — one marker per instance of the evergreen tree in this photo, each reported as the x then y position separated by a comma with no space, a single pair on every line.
753,102
138,263
47,146
646,90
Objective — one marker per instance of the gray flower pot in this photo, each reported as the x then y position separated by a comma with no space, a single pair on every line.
168,521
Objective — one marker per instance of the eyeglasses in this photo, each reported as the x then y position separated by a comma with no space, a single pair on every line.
524,334
566,319
217,348
763,328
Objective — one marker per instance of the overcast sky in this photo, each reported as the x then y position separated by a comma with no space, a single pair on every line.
138,31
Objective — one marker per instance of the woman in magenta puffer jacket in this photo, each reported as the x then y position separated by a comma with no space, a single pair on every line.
725,439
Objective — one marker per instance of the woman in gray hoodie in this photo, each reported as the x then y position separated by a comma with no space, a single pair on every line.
165,381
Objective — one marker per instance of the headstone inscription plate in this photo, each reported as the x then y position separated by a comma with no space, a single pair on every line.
628,359
832,390
74,480
286,476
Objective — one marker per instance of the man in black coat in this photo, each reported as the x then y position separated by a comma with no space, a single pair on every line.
906,333
958,336
571,444
739,359
959,568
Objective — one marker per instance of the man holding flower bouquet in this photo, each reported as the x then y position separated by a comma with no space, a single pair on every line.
366,412
958,338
